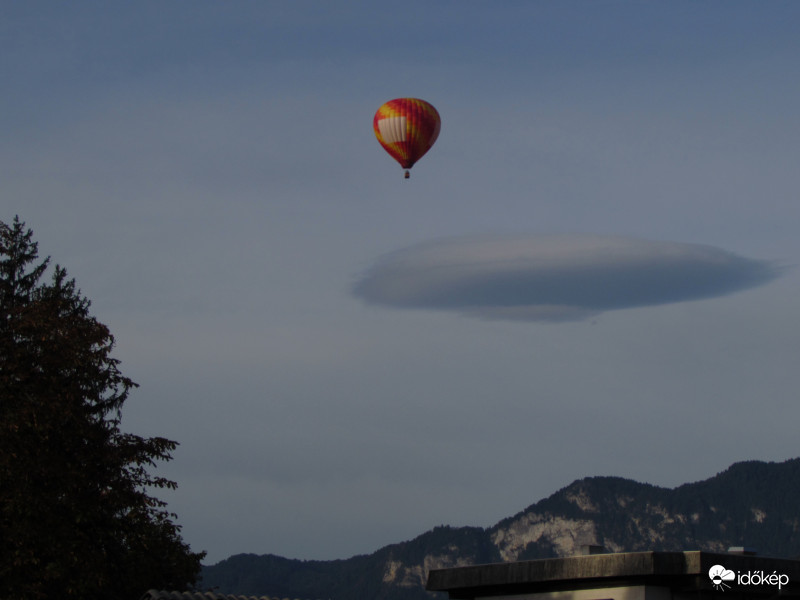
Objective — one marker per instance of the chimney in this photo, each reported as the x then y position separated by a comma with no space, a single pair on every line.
587,549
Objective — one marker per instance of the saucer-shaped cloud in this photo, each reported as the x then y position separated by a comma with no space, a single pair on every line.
555,277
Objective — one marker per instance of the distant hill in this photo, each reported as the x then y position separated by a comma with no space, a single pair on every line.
752,503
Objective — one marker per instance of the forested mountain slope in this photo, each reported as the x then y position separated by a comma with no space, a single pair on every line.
752,503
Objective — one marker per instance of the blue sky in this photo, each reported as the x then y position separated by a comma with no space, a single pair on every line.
208,173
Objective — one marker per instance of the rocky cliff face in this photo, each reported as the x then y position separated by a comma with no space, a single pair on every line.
751,504
415,575
565,536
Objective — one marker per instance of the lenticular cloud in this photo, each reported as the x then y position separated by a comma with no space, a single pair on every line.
555,277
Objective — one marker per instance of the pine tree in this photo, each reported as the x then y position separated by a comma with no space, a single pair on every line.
76,518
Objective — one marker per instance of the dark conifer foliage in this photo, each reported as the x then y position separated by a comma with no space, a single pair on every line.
76,517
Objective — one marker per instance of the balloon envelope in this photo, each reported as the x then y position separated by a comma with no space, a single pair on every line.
406,128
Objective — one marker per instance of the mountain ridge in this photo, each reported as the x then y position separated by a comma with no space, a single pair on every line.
751,503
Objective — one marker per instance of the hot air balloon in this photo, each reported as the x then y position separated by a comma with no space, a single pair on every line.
406,128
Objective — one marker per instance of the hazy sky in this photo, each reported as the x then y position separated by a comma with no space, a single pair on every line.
591,273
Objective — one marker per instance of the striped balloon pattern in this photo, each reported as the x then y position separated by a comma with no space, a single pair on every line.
407,128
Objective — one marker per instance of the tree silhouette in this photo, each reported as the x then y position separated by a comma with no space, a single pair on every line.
76,518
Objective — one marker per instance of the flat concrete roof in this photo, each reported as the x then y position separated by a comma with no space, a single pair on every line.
685,571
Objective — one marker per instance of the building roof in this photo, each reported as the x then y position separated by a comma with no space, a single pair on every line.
168,595
684,571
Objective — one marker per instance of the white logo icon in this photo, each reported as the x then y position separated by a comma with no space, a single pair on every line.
719,575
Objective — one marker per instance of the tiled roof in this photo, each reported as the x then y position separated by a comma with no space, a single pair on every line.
166,595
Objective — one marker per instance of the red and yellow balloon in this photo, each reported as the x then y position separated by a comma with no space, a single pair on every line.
407,128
